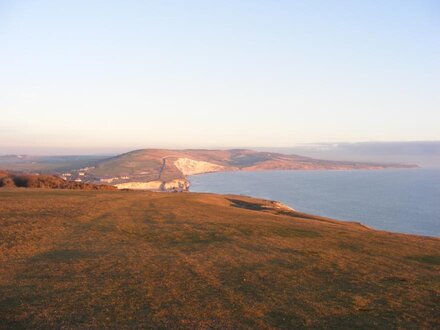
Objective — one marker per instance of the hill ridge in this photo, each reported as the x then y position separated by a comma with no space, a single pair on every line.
167,169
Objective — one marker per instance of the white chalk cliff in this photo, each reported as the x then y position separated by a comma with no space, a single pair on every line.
190,167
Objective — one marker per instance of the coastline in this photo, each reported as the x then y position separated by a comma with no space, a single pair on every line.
396,216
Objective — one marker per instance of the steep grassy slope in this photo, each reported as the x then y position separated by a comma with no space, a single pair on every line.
95,259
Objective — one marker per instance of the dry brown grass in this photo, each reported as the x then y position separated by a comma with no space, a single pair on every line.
104,259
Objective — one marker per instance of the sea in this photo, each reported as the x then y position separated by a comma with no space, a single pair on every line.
397,200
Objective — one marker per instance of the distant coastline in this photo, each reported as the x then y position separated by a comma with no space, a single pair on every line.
395,200
168,170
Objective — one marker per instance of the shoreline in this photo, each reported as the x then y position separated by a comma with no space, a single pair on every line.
387,225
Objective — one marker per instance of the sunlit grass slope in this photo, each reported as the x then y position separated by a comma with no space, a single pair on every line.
120,259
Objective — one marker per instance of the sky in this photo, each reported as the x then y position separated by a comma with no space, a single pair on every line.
110,75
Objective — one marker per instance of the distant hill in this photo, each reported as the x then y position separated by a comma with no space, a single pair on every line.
167,169
46,164
162,169
423,153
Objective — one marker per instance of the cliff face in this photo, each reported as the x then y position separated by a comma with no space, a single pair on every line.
159,169
175,185
190,167
151,185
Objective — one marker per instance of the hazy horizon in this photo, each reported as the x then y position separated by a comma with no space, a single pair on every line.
119,75
318,146
423,153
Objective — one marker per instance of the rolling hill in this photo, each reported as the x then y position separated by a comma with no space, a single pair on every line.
128,259
162,169
46,164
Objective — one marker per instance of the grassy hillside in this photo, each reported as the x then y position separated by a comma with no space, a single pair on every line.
166,165
163,169
121,259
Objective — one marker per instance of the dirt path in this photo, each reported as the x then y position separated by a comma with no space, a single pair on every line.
164,161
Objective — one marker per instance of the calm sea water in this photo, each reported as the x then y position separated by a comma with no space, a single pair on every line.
400,200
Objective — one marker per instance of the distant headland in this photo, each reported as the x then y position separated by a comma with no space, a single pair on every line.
167,170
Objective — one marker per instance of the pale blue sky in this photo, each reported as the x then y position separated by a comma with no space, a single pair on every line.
100,75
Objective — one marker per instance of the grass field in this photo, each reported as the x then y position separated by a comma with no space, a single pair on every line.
121,259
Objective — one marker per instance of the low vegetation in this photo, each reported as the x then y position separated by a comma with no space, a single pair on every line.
124,259
10,180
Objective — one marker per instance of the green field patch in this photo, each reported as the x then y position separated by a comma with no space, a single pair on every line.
167,237
293,232
350,246
394,280
61,255
245,230
426,259
290,251
102,224
284,320
199,238
240,279
248,160
286,263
